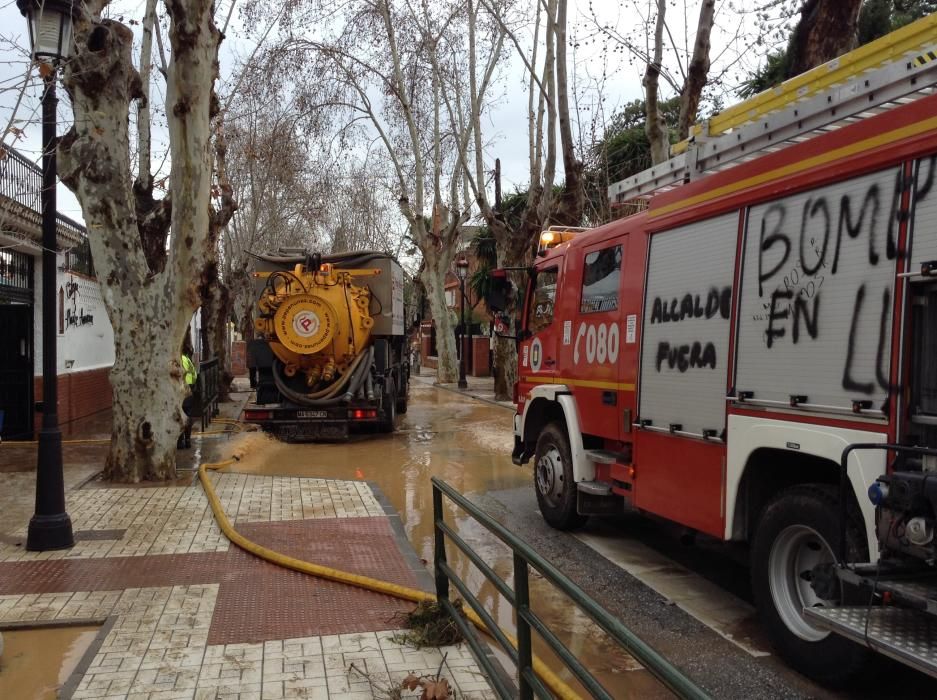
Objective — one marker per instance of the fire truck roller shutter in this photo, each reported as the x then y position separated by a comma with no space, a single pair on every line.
924,233
817,294
686,325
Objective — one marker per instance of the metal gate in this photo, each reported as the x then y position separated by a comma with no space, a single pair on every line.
16,371
16,345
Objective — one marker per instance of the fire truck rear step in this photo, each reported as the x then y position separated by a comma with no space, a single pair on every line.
594,488
607,457
597,498
901,633
914,590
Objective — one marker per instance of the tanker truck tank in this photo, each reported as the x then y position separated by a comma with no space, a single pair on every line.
330,348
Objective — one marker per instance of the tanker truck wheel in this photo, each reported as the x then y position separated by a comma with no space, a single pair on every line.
553,479
402,397
389,403
797,531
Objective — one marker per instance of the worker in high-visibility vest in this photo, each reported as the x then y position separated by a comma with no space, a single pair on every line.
189,376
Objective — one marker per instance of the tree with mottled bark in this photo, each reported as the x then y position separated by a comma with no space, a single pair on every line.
382,81
148,253
278,185
692,68
827,29
548,112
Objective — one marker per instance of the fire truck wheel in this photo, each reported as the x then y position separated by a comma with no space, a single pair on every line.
553,479
796,532
402,395
389,403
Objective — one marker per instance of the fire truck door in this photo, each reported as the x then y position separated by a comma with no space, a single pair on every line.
595,340
538,352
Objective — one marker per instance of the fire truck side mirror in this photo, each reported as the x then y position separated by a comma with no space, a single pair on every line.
499,293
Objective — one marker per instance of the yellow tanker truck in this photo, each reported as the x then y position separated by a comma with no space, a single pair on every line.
330,348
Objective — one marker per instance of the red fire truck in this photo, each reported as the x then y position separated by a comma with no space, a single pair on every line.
754,356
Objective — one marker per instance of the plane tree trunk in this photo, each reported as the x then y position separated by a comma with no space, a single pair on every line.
149,305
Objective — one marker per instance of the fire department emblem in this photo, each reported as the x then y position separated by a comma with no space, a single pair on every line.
536,355
305,324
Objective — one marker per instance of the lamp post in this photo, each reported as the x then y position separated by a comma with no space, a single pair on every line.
461,268
50,36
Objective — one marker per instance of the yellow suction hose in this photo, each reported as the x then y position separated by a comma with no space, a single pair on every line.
557,686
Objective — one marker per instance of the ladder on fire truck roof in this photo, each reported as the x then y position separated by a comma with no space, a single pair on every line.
892,70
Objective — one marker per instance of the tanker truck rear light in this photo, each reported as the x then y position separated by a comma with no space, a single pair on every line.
258,415
362,413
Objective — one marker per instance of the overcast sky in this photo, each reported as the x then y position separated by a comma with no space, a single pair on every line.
504,126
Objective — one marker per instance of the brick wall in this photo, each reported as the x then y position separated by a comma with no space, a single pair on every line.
81,394
480,366
238,358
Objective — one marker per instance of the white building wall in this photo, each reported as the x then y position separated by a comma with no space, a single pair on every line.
86,340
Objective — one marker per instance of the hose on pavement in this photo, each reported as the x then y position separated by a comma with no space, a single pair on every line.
556,685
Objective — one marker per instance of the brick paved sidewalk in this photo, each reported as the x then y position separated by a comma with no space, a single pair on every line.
188,615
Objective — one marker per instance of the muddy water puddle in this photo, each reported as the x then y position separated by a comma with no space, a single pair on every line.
37,662
467,443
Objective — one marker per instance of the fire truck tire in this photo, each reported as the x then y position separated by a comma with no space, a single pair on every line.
553,479
390,406
796,531
402,396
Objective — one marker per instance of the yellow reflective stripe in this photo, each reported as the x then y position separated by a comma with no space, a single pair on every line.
586,383
800,166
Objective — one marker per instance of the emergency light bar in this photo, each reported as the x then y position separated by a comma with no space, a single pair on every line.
555,235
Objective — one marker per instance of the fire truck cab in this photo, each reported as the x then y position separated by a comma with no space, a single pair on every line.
708,360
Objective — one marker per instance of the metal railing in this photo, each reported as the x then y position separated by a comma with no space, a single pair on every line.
78,259
206,387
21,182
528,683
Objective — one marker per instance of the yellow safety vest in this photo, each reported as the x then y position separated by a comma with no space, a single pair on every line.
188,370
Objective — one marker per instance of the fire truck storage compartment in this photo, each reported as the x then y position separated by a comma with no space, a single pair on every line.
817,291
686,325
923,299
923,419
924,241
684,360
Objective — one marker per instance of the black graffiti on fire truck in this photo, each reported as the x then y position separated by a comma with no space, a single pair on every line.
853,215
716,301
881,373
683,357
799,311
801,253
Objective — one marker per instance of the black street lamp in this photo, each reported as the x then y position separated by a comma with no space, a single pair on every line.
461,268
50,36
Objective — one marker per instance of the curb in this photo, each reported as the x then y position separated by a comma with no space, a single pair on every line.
428,381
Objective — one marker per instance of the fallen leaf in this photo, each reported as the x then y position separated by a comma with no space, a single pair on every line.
436,690
410,682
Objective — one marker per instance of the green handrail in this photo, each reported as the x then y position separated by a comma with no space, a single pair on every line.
525,557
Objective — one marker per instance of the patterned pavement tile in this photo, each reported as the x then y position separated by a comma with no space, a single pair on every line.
193,617
174,520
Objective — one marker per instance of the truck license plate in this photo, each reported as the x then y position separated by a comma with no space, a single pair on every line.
312,414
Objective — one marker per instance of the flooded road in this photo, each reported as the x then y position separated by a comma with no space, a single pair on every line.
468,444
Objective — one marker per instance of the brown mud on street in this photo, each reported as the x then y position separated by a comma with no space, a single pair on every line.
37,662
468,444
